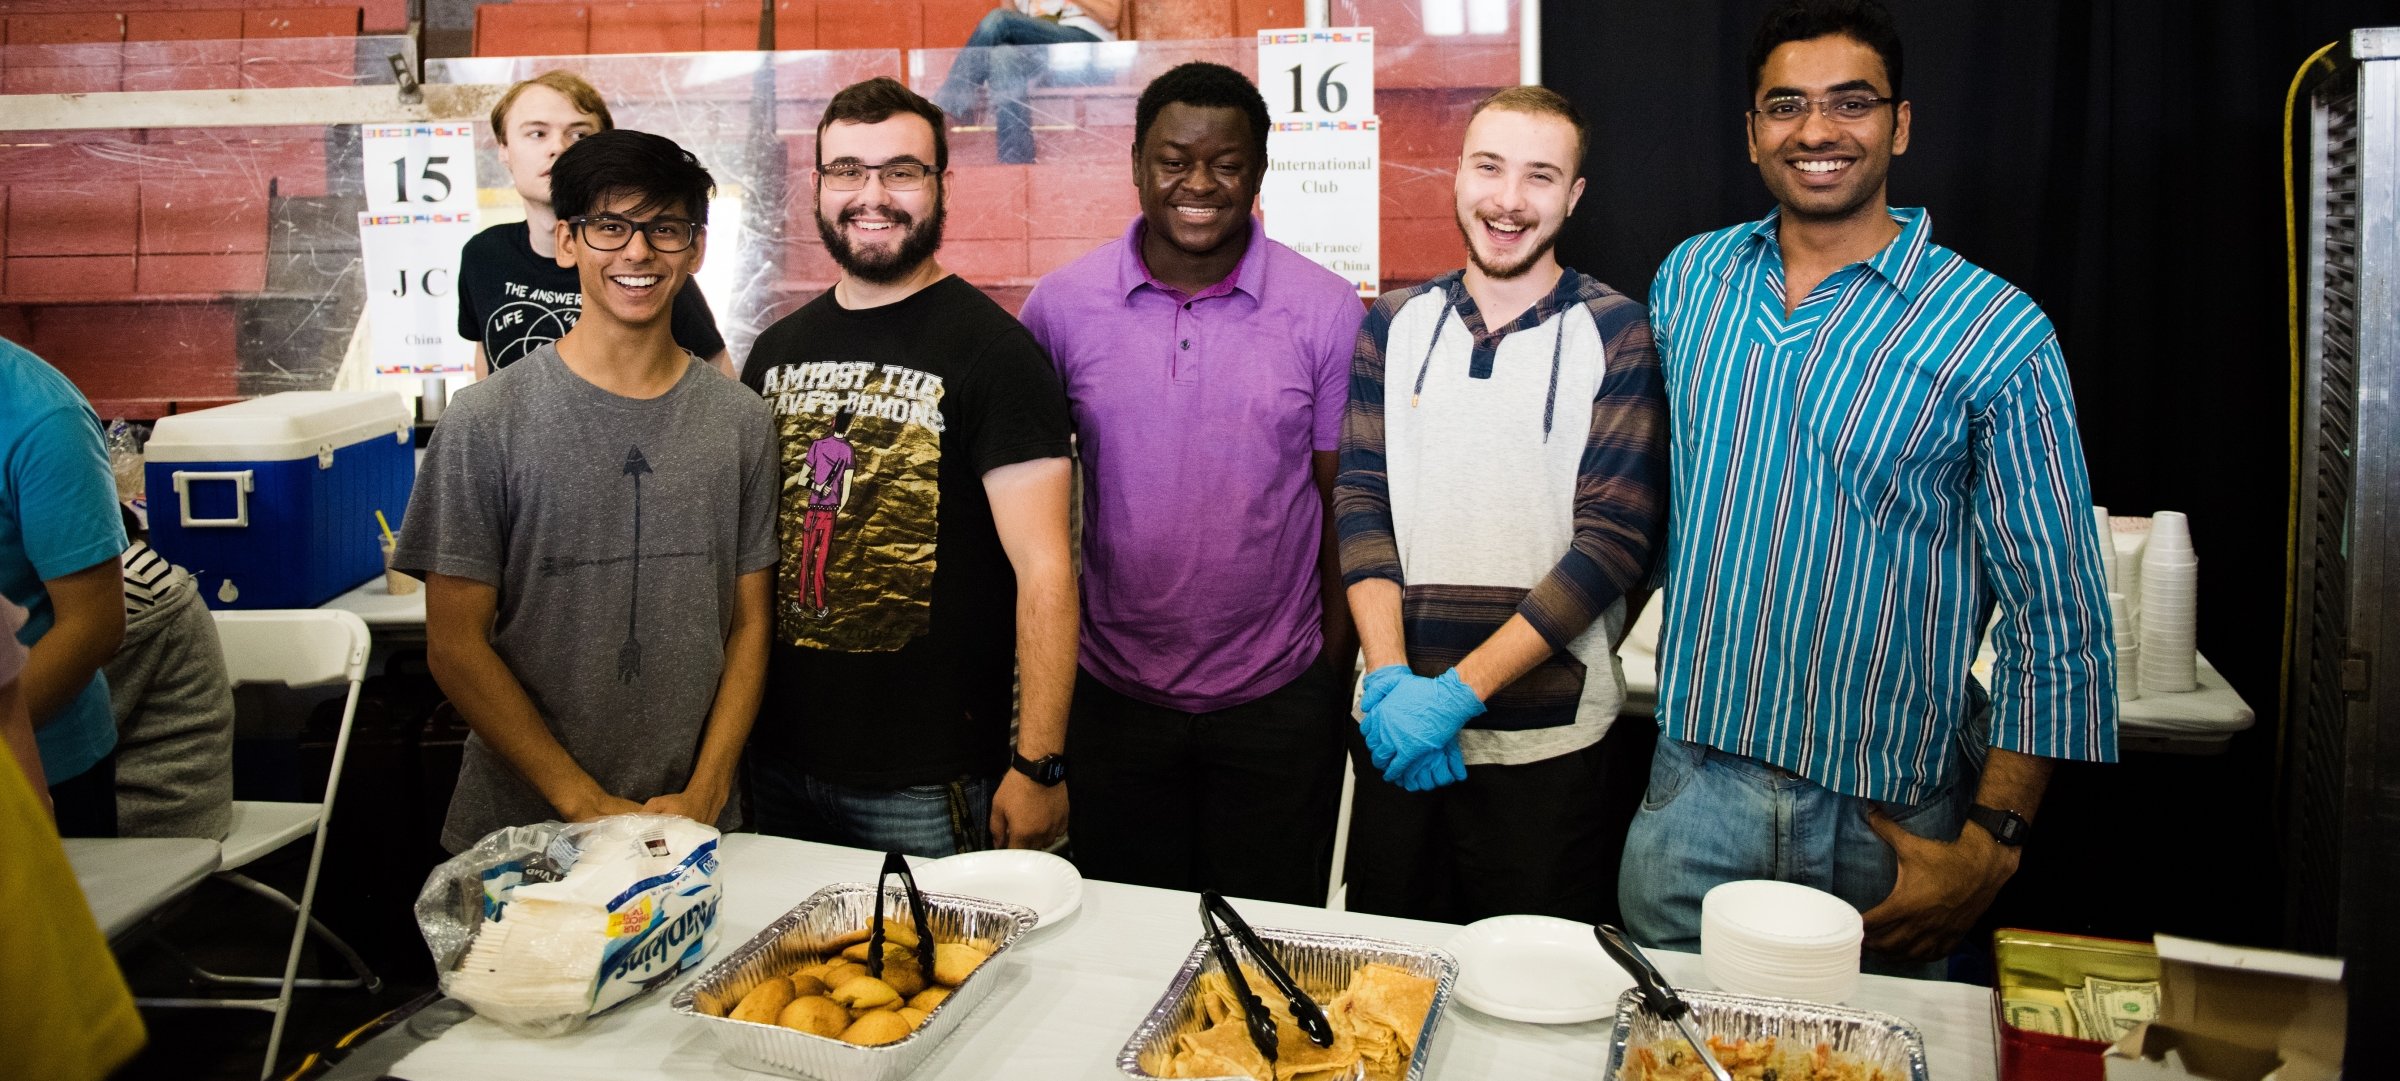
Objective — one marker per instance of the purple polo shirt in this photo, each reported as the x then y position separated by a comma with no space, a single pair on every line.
1195,417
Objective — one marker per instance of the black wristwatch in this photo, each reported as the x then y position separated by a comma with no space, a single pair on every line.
2007,827
1046,771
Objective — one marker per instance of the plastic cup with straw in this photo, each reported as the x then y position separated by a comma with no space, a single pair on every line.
394,582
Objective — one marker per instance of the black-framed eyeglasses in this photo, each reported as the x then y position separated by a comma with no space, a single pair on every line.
1840,108
608,232
907,175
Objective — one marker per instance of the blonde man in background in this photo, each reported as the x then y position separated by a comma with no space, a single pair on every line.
514,294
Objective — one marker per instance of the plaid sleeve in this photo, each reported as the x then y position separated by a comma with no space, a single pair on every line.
1362,504
1621,487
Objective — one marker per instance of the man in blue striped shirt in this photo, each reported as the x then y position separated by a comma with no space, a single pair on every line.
1873,448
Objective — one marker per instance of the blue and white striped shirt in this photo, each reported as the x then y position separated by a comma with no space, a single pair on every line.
1856,486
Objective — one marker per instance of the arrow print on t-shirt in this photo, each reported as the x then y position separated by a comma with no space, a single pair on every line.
629,656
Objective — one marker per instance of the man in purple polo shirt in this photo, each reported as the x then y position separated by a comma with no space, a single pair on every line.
1207,367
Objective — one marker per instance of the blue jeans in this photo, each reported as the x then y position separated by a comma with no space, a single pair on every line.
932,820
1710,817
1005,54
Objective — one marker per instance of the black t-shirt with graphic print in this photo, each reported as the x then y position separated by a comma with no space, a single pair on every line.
515,301
893,663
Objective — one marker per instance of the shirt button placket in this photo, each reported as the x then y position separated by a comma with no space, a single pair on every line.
1180,367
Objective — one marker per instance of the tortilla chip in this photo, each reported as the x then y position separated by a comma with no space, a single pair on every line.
1229,1045
1375,1020
1296,1055
1395,998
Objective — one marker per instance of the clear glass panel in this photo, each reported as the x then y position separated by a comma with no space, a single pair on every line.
751,119
169,268
173,268
1013,220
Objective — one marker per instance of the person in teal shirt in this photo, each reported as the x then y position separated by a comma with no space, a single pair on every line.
59,539
1874,452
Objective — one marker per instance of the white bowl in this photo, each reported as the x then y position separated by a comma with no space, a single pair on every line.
1783,912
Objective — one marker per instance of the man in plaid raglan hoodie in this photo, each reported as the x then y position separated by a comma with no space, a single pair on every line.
1503,487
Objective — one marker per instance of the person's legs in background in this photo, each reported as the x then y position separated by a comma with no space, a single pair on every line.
1003,53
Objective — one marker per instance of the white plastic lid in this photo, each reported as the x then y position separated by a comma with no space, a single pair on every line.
278,427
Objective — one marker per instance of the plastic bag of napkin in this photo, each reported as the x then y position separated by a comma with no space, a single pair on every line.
541,927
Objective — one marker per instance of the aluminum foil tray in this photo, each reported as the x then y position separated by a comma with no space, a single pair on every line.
1874,1039
800,936
1321,963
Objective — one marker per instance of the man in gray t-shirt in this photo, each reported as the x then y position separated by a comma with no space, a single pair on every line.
605,507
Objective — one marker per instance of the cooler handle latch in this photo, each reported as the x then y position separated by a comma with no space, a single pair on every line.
243,484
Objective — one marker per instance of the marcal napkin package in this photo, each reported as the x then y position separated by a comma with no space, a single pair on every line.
540,927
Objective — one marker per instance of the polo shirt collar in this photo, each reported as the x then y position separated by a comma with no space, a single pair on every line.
1901,263
1249,275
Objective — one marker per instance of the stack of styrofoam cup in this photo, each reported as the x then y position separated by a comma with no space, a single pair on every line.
2170,606
1781,940
2108,550
2129,648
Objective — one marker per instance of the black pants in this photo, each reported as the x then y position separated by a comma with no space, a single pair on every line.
1543,838
1240,800
87,802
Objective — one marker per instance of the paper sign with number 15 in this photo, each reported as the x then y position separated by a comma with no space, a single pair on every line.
418,168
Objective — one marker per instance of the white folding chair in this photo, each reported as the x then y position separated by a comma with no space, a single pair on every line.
305,647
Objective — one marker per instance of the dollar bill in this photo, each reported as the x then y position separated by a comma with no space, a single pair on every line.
2079,1001
2122,1004
2035,1016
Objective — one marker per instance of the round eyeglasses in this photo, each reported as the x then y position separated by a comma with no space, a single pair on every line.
608,232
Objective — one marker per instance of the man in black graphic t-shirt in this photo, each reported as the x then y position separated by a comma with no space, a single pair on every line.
923,433
513,296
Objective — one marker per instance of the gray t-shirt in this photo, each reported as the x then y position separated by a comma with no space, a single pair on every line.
614,529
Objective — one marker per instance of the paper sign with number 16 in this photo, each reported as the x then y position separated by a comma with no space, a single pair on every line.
1318,74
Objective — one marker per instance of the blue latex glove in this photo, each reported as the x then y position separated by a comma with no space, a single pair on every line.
1377,684
1445,766
1421,716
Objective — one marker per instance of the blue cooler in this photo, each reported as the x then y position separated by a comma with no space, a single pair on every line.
271,502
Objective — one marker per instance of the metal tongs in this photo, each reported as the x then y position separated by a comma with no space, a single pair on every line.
1255,1014
1656,994
896,864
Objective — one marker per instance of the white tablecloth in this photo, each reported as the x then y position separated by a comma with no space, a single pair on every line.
1072,993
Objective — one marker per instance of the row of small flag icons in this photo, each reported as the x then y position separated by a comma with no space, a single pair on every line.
461,218
1363,36
1372,123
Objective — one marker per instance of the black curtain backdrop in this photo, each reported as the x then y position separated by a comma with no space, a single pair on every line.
2120,162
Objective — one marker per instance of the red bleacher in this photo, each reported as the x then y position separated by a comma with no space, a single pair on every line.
123,254
581,27
119,251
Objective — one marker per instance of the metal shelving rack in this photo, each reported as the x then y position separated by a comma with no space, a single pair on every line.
2341,736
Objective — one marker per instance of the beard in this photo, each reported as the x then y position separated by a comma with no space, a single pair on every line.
879,267
1503,271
